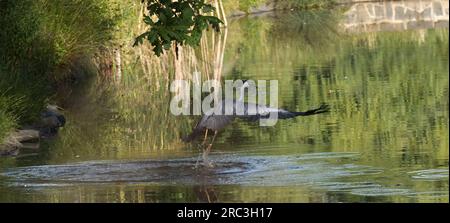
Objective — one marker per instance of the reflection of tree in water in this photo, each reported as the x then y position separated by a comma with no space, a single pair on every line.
373,80
312,29
206,193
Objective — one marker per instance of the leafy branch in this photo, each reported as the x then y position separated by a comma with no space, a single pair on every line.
180,22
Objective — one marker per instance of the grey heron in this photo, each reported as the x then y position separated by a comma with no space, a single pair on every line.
214,123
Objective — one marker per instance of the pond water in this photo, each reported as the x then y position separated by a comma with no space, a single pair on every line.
385,140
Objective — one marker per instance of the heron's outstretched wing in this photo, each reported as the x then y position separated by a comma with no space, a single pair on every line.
252,112
264,112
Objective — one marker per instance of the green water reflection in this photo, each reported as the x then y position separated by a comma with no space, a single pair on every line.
385,140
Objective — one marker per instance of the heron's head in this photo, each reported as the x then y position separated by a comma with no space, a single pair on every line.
246,83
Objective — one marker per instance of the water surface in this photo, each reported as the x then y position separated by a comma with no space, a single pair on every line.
385,139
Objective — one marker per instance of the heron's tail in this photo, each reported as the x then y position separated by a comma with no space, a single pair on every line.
322,109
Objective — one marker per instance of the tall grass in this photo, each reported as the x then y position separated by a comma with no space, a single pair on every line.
44,43
41,44
7,118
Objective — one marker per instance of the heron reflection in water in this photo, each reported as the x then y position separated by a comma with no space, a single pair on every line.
211,123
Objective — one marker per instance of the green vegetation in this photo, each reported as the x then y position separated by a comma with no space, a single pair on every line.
388,92
40,44
181,22
7,119
46,45
349,73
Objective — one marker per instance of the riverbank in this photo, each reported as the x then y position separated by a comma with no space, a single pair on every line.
386,139
43,52
51,52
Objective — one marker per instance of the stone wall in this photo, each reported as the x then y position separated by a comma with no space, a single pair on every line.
396,15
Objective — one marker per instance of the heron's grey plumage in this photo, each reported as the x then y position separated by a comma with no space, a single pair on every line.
248,112
218,118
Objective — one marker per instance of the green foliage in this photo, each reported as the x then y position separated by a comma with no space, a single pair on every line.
40,43
181,22
25,58
9,105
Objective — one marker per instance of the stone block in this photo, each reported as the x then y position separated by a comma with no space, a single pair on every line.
437,9
419,25
400,13
391,27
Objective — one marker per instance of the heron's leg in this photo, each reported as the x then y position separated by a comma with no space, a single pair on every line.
202,145
206,137
208,149
198,158
214,137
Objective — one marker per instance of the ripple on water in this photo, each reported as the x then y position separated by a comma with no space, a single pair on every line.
430,174
230,169
430,194
328,155
347,186
380,191
313,170
148,171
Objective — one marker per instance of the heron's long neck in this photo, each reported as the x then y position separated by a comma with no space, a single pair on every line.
241,96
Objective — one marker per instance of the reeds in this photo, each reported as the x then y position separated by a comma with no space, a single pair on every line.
41,44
